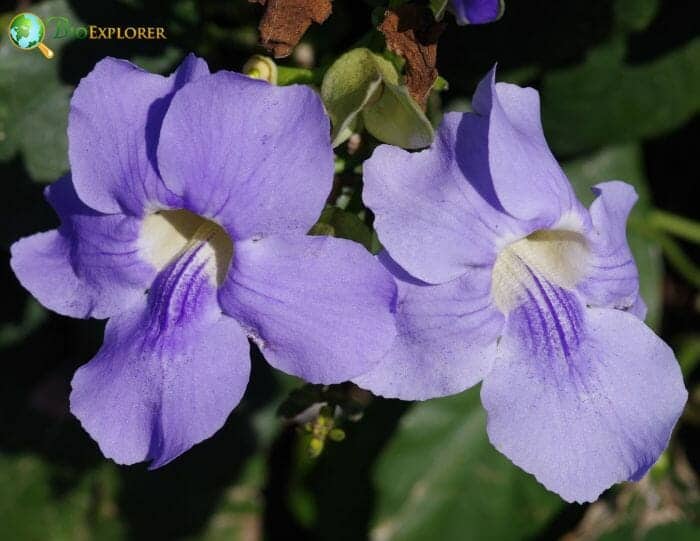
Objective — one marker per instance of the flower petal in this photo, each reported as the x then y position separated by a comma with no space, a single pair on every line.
89,266
256,158
169,372
526,177
446,337
476,11
318,307
581,398
434,215
113,129
613,280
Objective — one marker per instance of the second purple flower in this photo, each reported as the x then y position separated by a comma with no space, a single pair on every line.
505,277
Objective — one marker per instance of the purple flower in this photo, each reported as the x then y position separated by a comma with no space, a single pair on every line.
477,11
183,221
505,277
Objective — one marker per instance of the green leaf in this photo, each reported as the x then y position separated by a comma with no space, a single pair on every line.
625,163
30,510
238,515
398,120
363,87
606,101
349,85
440,478
13,333
677,531
438,7
346,225
635,15
672,531
34,102
287,75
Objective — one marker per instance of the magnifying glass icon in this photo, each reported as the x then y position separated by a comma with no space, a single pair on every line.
27,32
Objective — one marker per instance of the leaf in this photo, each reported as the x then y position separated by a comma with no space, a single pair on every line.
412,33
363,87
32,318
239,513
438,7
34,102
606,101
625,163
398,120
30,510
285,22
340,223
440,478
349,85
635,15
678,531
674,531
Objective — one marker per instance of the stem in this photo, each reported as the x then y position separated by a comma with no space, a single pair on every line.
672,250
679,226
677,258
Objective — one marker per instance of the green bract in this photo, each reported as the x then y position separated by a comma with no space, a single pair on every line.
363,88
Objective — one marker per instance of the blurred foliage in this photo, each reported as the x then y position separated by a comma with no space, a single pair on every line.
440,478
620,84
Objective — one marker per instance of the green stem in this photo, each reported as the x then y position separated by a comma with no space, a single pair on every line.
671,249
681,262
679,226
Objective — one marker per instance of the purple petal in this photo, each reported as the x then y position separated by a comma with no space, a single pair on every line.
89,266
477,11
113,129
581,398
318,307
526,178
255,157
169,371
446,337
434,215
613,280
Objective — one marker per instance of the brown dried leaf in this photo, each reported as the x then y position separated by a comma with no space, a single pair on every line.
285,22
412,33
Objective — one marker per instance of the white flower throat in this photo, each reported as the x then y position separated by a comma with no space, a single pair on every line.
168,234
558,256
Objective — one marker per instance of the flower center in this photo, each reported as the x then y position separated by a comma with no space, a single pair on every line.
557,256
168,234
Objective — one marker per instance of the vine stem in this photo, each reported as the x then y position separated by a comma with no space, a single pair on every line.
679,226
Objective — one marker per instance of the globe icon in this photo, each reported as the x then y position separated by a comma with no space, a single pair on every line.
27,32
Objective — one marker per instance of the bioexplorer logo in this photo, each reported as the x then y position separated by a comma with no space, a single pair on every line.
27,31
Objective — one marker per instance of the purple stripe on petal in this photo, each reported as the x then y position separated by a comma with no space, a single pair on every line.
169,372
581,416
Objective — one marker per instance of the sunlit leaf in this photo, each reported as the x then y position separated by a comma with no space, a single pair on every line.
605,100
